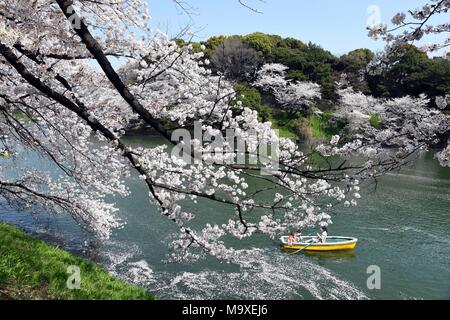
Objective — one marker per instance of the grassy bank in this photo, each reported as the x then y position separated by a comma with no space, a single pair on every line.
31,269
323,126
282,122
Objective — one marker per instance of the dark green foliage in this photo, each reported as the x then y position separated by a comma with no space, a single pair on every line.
263,43
354,64
355,60
212,43
412,73
305,61
251,98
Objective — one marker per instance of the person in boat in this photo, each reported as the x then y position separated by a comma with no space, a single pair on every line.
291,238
298,236
323,236
5,153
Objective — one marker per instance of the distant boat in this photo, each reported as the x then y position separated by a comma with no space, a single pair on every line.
311,244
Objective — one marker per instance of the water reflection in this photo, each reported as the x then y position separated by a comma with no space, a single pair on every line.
326,255
338,254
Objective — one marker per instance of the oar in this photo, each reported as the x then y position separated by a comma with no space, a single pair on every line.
299,250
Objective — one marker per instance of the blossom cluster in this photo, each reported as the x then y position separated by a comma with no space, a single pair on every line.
420,26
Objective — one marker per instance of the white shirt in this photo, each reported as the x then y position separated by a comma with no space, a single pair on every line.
323,236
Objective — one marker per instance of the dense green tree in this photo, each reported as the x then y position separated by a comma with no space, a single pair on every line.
437,77
354,65
411,72
305,61
212,43
355,60
251,98
263,43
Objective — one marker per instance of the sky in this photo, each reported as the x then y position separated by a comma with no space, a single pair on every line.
337,25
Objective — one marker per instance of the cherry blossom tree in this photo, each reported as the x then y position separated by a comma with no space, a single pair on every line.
61,97
406,124
294,96
415,25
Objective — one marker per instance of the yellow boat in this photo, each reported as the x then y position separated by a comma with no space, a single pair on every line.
312,244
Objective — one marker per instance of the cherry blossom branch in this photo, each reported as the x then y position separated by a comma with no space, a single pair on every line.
81,111
95,49
417,30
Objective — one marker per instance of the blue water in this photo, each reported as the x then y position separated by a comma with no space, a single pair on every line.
402,224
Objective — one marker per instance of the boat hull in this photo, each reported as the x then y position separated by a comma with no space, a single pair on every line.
332,244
